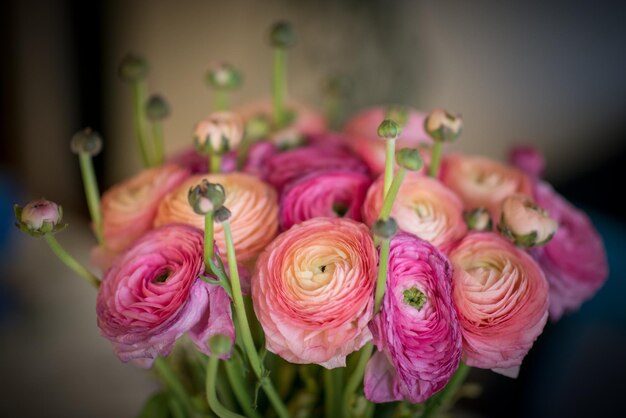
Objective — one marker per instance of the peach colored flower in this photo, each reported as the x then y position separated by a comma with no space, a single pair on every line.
223,131
526,223
482,182
254,207
312,291
424,207
501,296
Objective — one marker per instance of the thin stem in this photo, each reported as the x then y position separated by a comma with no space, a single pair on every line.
159,142
333,112
221,100
390,195
215,162
211,395
244,327
242,152
91,193
381,282
356,378
139,99
435,159
209,242
390,154
238,385
333,382
279,86
177,410
71,262
440,402
175,386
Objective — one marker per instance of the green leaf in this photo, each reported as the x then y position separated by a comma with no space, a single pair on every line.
156,406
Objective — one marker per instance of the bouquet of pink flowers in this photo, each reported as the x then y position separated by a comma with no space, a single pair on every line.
279,269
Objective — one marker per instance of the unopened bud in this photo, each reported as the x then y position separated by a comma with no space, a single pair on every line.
220,133
39,217
410,159
220,344
389,129
157,108
282,35
223,76
206,197
86,141
133,68
385,228
478,219
222,215
525,223
443,126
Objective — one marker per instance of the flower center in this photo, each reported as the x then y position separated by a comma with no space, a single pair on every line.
414,297
340,209
161,278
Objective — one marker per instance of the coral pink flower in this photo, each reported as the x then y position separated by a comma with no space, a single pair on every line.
253,205
417,330
424,207
481,182
574,261
361,131
501,296
528,159
312,291
524,222
152,295
324,194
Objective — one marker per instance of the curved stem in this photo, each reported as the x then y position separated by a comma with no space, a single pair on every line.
215,162
390,157
159,142
209,242
356,378
390,195
435,159
71,262
91,193
440,402
244,326
211,395
279,85
175,386
139,99
239,388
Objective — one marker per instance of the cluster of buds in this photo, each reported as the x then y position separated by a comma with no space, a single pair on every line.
219,133
39,217
525,223
208,198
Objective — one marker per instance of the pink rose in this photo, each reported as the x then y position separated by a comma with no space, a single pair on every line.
152,295
481,182
324,194
574,261
528,159
424,207
417,331
312,291
501,296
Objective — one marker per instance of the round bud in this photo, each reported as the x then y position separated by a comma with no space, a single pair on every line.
525,223
389,129
206,197
157,108
221,215
219,344
409,158
385,228
220,133
478,219
39,217
133,68
443,126
224,76
282,35
86,141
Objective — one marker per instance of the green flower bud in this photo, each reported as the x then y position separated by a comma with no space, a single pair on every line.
222,215
409,158
86,141
219,344
478,219
385,228
224,76
443,126
389,129
157,108
133,68
206,197
282,35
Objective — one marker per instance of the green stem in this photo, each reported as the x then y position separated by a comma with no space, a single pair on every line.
391,194
91,193
333,112
244,327
215,162
435,159
159,142
390,157
441,401
139,99
175,386
209,242
71,262
238,385
381,282
356,378
175,407
279,85
211,395
221,100
333,382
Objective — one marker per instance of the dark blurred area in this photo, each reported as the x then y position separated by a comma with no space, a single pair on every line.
559,66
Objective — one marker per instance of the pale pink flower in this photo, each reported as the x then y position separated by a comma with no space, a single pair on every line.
221,131
524,222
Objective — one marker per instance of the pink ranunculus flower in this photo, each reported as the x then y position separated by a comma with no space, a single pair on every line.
574,261
528,159
331,194
152,295
482,182
220,131
417,330
288,166
252,202
424,207
501,296
258,155
312,291
361,131
39,212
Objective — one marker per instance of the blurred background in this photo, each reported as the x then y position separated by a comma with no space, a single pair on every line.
544,73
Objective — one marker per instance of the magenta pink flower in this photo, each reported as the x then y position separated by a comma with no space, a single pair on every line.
501,296
574,261
312,291
153,294
323,194
417,331
287,166
528,159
